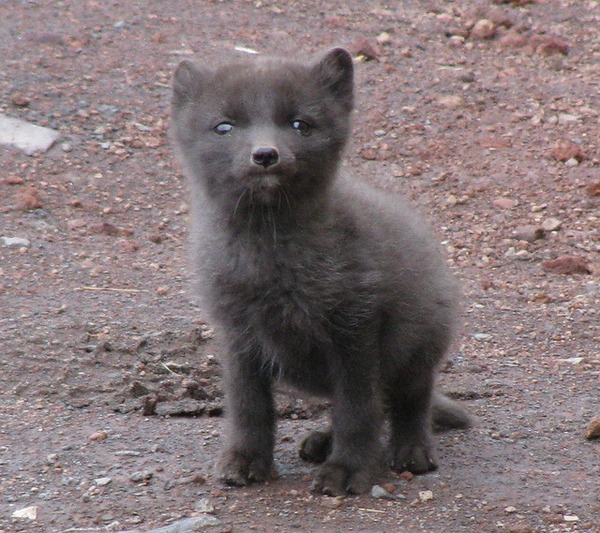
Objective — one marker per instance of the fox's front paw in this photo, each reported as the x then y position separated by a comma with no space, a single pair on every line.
338,480
239,469
416,458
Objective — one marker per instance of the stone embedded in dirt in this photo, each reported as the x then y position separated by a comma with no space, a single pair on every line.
15,242
593,189
407,476
137,389
185,525
109,229
546,45
384,38
27,198
103,481
593,429
483,29
505,203
564,150
149,406
25,136
19,100
551,224
567,265
185,407
141,476
381,493
529,233
512,39
425,496
482,337
333,502
98,436
27,512
204,505
451,101
362,48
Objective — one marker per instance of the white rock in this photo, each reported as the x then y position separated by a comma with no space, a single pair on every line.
103,481
27,512
26,136
204,505
551,224
425,495
14,241
482,337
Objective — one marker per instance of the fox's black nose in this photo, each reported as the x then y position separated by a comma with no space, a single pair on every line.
265,156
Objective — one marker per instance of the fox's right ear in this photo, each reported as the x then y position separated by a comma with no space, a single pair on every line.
187,83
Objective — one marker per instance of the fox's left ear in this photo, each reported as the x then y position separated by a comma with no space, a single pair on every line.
335,70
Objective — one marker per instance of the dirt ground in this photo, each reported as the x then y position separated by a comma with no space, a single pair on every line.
485,113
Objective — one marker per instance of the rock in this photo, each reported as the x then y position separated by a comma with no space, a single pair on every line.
98,436
512,39
564,150
362,48
571,162
27,198
593,429
141,477
482,337
551,224
185,525
103,481
185,407
483,29
26,512
546,45
25,136
15,241
425,496
505,203
593,189
204,505
407,476
451,101
19,100
332,502
384,38
380,493
567,265
529,233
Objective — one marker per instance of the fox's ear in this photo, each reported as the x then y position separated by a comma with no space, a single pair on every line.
335,70
188,81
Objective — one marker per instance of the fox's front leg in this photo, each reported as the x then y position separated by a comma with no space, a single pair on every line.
250,421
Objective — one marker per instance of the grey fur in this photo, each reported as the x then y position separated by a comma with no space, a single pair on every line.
322,282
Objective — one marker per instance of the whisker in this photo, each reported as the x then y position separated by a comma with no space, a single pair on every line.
237,204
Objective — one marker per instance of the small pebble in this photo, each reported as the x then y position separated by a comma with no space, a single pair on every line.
103,481
380,493
204,505
332,502
141,477
551,224
98,436
425,496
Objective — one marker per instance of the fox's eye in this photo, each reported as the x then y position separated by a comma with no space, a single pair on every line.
223,128
302,127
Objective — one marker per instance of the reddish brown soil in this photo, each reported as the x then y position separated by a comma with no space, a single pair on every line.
493,132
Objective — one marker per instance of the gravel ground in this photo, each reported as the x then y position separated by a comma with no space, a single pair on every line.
486,114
